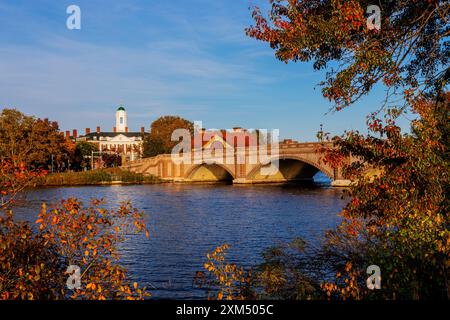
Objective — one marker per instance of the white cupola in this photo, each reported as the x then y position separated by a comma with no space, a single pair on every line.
121,119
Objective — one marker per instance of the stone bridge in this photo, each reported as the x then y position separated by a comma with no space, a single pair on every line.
295,162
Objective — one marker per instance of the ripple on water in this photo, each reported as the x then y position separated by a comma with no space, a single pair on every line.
190,220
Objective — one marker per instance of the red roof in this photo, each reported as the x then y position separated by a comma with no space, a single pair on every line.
247,138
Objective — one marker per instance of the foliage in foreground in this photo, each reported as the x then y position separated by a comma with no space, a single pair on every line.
398,220
14,178
34,263
34,259
228,280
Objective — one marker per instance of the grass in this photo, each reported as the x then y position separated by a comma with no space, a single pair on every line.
96,177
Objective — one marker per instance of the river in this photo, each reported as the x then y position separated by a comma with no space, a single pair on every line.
188,221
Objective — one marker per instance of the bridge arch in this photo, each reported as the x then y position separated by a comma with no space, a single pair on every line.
291,168
210,172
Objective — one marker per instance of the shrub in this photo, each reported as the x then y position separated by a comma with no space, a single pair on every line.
94,177
33,265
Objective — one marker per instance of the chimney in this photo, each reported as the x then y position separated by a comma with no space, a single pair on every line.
126,130
115,130
98,129
142,130
75,133
88,131
67,135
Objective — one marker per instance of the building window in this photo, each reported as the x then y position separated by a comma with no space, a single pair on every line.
121,120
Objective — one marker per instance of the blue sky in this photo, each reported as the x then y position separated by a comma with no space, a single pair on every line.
188,58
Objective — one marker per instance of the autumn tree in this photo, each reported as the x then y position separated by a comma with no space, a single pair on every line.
29,268
35,260
226,281
88,237
34,142
14,179
159,141
153,147
397,218
14,127
36,265
409,53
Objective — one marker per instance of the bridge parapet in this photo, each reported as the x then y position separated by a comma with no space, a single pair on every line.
305,145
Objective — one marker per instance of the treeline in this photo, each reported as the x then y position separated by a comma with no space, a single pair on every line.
39,143
35,142
159,141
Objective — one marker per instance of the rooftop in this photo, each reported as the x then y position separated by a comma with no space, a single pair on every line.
113,134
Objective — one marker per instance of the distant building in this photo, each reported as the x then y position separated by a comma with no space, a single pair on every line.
238,137
119,141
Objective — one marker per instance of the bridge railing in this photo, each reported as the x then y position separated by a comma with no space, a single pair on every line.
241,150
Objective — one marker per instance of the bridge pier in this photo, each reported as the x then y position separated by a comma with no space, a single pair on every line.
241,181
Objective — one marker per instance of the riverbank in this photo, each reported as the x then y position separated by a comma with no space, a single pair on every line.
110,176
